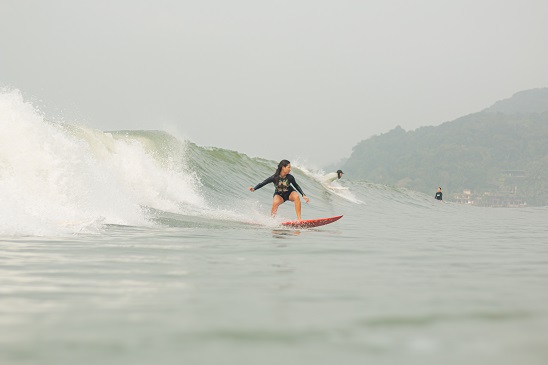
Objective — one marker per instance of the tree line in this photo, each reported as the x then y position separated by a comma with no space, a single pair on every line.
473,152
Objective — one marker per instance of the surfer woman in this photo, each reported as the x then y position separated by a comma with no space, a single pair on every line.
283,180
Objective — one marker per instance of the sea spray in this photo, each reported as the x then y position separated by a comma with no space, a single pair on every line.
59,178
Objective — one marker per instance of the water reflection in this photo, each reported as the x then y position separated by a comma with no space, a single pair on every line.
285,233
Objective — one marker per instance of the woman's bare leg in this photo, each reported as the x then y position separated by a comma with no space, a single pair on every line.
276,202
295,198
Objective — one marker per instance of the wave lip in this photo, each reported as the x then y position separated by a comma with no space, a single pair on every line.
59,178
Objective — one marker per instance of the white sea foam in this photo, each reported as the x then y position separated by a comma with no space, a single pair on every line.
326,182
58,178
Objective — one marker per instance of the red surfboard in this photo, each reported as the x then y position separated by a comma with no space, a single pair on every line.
311,222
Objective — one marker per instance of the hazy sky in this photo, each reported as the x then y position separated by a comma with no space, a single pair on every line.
303,80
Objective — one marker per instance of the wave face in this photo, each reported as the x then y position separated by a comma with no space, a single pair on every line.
58,178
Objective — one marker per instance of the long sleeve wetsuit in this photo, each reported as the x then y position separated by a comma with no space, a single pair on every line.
284,184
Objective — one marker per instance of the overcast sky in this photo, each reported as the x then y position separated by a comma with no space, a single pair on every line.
303,80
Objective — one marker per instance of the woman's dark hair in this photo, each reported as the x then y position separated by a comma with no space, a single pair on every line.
283,163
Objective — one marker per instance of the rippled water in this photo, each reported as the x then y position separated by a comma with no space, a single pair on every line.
443,285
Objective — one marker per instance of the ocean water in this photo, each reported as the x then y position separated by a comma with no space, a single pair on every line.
136,247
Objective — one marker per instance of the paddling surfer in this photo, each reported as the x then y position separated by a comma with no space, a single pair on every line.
285,186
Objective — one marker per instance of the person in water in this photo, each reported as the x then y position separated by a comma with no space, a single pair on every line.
332,176
282,181
439,194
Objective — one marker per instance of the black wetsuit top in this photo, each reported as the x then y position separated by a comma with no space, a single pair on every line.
439,195
284,187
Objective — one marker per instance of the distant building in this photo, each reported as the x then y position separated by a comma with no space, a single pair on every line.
505,196
464,198
513,173
503,200
508,199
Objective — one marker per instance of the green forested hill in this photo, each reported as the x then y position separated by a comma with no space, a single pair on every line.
493,152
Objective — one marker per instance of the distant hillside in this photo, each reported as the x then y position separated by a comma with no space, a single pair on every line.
500,154
528,101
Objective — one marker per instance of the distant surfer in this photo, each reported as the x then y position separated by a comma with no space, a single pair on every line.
439,194
332,176
282,181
